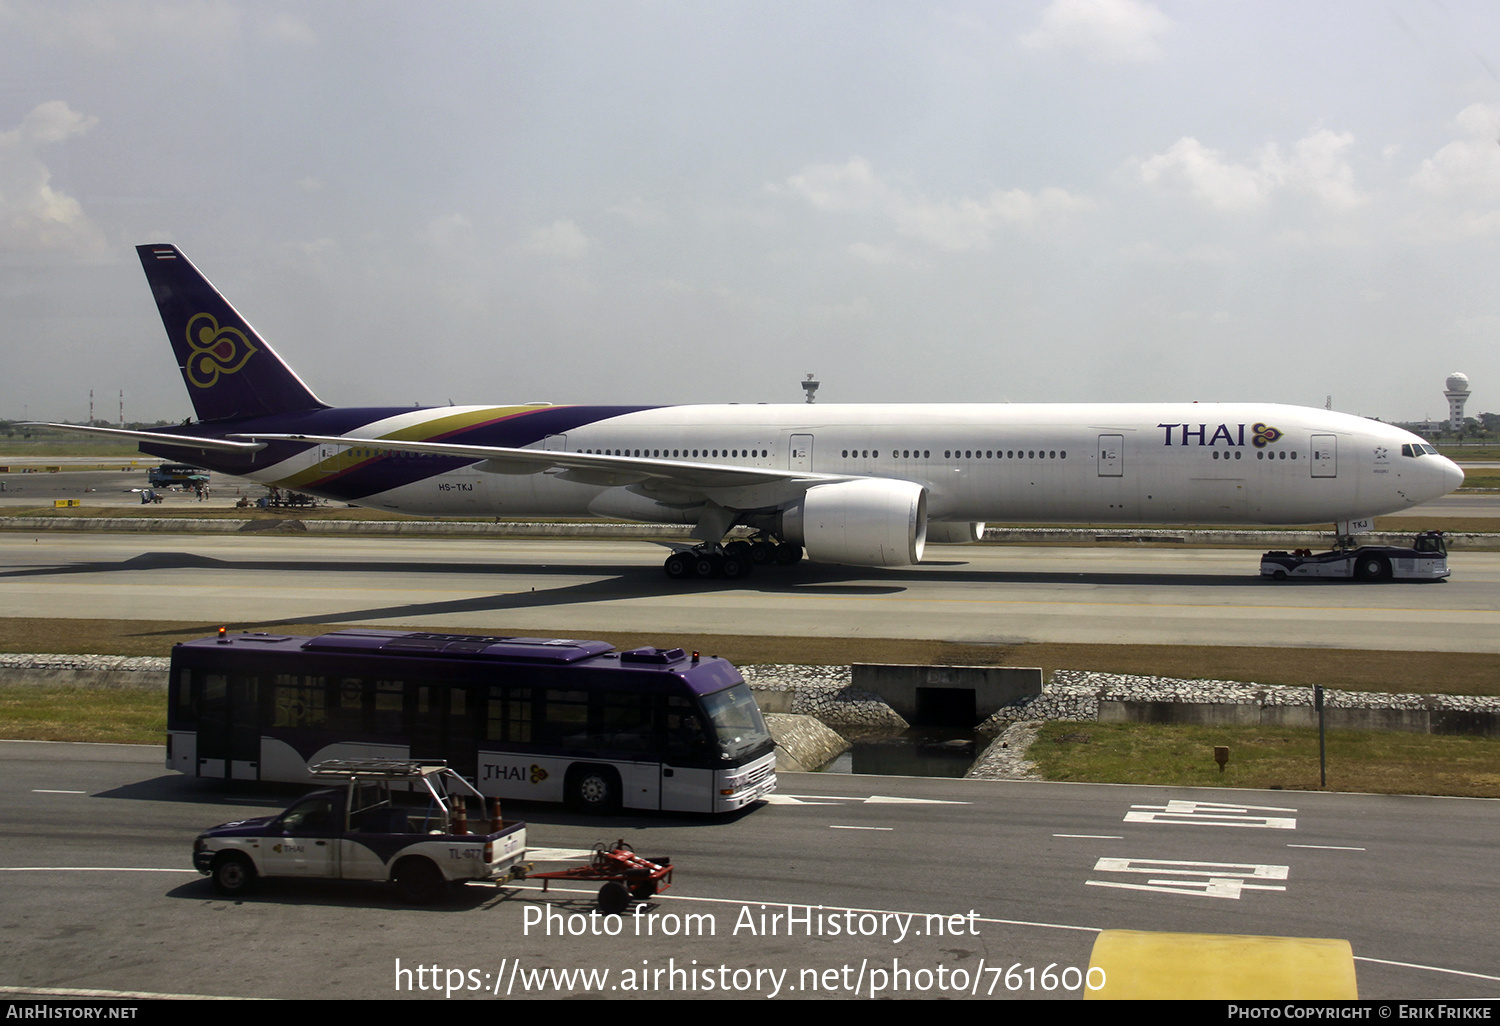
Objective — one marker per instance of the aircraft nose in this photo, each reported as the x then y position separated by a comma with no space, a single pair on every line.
1452,473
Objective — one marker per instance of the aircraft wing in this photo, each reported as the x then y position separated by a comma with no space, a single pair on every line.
729,485
158,438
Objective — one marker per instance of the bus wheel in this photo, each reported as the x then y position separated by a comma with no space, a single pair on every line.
594,789
613,898
233,875
418,881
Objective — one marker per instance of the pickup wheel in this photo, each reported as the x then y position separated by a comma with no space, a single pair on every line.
1372,568
418,881
233,875
594,789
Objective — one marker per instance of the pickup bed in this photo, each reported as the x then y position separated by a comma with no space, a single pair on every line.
355,831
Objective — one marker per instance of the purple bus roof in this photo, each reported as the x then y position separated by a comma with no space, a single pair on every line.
703,676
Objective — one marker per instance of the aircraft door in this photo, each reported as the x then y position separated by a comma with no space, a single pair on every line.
1111,455
799,452
1325,455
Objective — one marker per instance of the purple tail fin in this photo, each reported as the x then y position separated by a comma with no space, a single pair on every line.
230,371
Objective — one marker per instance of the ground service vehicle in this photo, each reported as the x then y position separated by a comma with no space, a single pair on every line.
359,831
176,475
531,718
1426,560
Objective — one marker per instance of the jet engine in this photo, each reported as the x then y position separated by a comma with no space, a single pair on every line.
955,534
869,522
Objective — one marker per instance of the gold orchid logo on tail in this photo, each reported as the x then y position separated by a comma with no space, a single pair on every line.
215,350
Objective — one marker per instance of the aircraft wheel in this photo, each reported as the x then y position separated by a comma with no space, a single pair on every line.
763,552
787,553
739,550
736,568
707,565
679,566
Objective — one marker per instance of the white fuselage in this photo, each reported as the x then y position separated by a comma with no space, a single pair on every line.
1121,463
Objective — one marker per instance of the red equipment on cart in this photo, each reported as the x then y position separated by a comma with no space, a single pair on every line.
628,875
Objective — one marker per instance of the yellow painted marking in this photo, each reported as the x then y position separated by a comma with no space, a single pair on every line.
1221,967
421,432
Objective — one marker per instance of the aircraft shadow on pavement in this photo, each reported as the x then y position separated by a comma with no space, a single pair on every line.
614,583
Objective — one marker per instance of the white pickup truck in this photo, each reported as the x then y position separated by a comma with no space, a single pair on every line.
355,831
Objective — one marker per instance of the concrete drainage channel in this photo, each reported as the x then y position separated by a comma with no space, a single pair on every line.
842,700
821,714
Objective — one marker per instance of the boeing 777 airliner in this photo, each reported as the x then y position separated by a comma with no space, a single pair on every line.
859,484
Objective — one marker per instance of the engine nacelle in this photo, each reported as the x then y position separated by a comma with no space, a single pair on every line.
955,534
870,522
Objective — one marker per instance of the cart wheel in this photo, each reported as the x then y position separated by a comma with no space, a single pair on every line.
644,889
613,898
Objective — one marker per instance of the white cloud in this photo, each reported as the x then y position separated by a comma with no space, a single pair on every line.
562,239
955,225
1104,30
1469,165
35,217
1317,167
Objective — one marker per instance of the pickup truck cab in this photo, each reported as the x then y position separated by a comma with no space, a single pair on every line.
356,831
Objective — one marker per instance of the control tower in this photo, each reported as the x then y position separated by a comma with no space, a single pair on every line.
1457,394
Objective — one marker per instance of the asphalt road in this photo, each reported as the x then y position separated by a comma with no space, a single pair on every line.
98,892
1005,594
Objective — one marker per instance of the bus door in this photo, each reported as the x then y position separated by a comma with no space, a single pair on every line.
685,785
445,726
228,726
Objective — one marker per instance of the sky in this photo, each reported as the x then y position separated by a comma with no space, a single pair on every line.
653,201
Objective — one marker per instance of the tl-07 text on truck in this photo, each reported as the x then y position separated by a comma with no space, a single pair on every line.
1425,560
354,831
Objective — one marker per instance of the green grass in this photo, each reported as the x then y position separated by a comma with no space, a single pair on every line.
1376,762
61,713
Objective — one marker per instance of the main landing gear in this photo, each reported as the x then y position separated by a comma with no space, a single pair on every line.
732,561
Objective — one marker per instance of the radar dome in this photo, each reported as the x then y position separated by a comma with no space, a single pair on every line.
1458,382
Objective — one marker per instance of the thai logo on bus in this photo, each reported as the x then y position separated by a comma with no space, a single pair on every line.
215,350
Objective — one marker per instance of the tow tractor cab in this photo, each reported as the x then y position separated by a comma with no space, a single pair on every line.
410,823
1425,560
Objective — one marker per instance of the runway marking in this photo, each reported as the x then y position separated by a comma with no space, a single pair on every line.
1181,812
1218,879
1429,968
49,790
121,995
1327,847
89,869
874,799
1094,837
836,826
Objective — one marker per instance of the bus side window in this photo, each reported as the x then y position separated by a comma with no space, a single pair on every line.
387,714
624,721
564,719
509,717
685,734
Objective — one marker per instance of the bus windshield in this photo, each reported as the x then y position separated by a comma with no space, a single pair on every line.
736,720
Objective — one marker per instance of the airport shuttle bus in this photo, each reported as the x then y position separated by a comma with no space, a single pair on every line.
525,718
